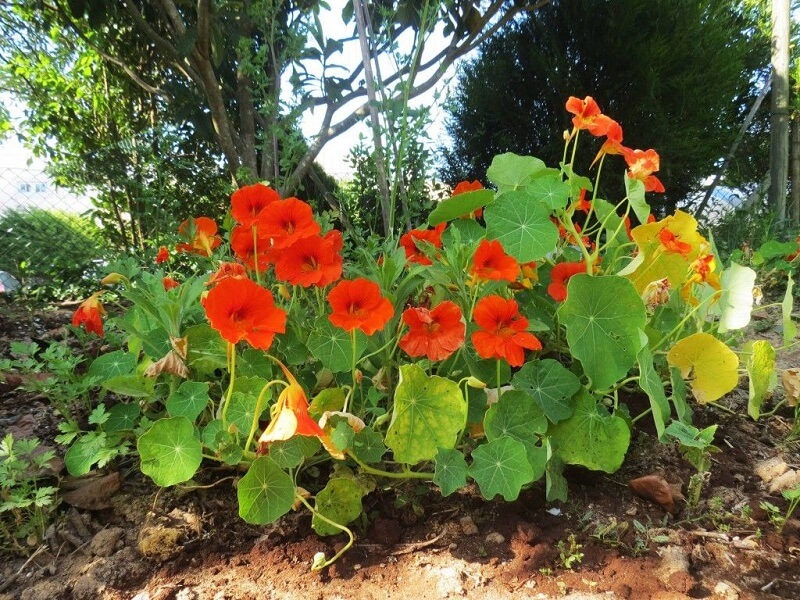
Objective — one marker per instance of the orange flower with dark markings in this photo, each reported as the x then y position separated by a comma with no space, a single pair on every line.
202,235
90,315
227,270
641,165
358,304
588,116
246,242
314,260
247,202
502,332
287,221
169,283
559,277
435,333
432,236
290,418
672,243
162,256
491,263
242,310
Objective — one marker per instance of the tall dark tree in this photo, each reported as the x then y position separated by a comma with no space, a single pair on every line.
677,76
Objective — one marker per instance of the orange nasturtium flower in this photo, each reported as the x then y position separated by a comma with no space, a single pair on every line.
287,221
358,304
469,186
432,236
246,242
162,256
314,260
583,204
490,262
672,243
435,333
588,116
169,283
240,309
502,331
248,201
203,234
90,315
290,417
559,277
227,270
641,165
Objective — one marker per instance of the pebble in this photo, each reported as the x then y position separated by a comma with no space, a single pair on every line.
725,591
494,538
186,594
468,526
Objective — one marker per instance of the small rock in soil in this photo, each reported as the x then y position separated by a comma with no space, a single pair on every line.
186,594
771,468
122,570
673,560
448,582
46,590
725,591
105,541
494,538
86,588
787,481
468,526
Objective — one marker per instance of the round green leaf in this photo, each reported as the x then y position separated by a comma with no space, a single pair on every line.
111,365
501,467
763,378
291,453
121,417
462,204
450,472
511,171
522,226
206,350
549,190
333,347
591,437
188,400
603,317
551,385
340,502
368,445
265,493
242,407
83,453
169,451
515,415
429,413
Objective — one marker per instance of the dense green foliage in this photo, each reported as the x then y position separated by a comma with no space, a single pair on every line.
681,77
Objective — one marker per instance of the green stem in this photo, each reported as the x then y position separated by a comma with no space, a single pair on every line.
232,371
254,425
640,415
680,325
499,391
255,254
389,474
319,515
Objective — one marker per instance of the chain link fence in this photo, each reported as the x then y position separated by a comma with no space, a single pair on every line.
45,235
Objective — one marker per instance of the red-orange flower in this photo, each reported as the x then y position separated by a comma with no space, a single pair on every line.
90,315
435,333
641,165
162,256
358,304
242,310
311,261
169,283
432,236
248,201
559,277
672,243
502,331
490,262
227,270
583,204
287,221
246,242
588,115
469,186
202,235
291,418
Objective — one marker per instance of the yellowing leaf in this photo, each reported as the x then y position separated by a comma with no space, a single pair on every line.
656,260
709,365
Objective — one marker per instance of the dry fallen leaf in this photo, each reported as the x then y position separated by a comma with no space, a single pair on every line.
92,492
790,378
657,489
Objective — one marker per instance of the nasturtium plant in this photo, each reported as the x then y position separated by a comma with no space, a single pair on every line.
497,343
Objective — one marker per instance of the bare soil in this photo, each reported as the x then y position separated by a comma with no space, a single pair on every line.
606,542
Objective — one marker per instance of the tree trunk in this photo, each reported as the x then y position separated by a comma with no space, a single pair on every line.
794,211
779,122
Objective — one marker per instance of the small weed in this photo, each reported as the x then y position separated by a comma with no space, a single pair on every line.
569,552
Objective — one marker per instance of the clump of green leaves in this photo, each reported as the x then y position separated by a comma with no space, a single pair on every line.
26,506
